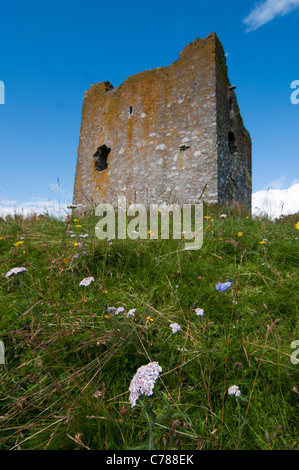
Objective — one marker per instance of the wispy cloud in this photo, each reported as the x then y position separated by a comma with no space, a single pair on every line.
278,183
265,11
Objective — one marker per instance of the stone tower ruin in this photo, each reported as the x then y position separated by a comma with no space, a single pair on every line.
172,134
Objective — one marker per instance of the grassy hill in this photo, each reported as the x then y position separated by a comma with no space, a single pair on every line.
69,359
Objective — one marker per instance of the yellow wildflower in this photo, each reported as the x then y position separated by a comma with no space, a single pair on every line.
262,242
207,217
148,319
297,225
105,292
18,243
1,238
107,317
76,244
24,252
240,234
75,220
78,226
65,260
37,218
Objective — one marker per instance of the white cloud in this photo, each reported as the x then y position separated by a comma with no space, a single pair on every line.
35,206
276,202
265,11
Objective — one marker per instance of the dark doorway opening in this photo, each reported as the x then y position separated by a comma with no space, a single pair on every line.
100,157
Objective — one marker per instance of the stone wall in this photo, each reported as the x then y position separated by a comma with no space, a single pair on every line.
163,135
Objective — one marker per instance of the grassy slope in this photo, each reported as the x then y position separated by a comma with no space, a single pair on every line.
68,367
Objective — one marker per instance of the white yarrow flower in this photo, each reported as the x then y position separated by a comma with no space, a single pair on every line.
143,381
131,312
234,390
175,327
15,271
86,281
199,312
223,216
119,310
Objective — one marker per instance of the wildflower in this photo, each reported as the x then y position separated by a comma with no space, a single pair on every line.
1,238
111,309
119,310
76,244
199,312
73,235
148,319
37,218
24,252
222,286
84,236
78,226
15,271
75,220
175,327
18,243
262,242
297,225
131,312
143,381
223,216
240,234
234,390
207,217
65,260
76,255
107,317
86,281
105,292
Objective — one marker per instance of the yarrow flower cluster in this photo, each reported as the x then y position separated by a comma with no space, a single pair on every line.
86,281
119,310
15,271
131,313
143,381
199,312
116,311
234,390
175,327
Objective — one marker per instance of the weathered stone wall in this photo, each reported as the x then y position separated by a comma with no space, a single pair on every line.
234,143
158,136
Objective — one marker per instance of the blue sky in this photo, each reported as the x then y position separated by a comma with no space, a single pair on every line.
51,51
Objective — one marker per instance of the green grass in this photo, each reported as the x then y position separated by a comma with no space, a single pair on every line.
68,367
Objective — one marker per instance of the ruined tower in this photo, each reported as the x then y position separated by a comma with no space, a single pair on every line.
172,134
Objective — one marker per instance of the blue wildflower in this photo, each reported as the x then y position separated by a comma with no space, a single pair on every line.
222,286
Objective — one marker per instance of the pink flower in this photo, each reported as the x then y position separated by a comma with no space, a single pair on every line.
143,381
